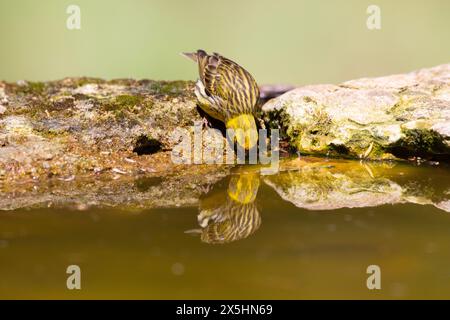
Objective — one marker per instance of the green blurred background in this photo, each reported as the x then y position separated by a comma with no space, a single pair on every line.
299,42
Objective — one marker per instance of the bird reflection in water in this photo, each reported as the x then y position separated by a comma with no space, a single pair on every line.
231,214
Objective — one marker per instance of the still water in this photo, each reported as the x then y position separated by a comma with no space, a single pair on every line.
309,231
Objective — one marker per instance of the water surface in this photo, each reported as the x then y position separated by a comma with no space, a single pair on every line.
309,231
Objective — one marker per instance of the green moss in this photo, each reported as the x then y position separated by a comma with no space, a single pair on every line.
123,82
420,139
79,82
32,88
121,104
277,119
420,142
377,151
36,87
51,133
127,101
399,108
312,137
170,87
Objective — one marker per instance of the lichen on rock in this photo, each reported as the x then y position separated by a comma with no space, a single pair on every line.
78,125
88,140
393,117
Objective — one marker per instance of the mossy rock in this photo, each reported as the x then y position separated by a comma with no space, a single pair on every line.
395,117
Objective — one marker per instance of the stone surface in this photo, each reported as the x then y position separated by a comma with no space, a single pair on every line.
80,126
79,142
315,184
399,116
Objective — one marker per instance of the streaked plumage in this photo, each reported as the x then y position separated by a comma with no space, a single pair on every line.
226,217
228,92
236,222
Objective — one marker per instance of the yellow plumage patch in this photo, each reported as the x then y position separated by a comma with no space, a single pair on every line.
245,131
243,188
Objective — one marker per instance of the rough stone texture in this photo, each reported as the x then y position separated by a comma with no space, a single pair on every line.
175,186
79,142
86,126
315,184
398,116
79,126
83,142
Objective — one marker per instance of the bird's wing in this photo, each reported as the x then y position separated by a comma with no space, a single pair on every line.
211,76
227,82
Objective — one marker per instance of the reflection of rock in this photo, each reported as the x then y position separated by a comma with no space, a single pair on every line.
444,205
321,185
395,116
161,185
230,215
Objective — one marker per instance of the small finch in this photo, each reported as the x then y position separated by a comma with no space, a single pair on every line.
233,215
228,92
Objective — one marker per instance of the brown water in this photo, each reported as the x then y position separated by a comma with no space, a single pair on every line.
309,231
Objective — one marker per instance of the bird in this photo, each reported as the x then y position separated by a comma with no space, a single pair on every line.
229,216
229,93
235,216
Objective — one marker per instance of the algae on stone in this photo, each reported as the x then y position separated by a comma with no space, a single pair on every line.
78,125
87,140
399,116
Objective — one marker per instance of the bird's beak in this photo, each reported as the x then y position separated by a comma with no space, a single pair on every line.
190,55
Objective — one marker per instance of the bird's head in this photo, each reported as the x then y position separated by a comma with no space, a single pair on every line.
245,131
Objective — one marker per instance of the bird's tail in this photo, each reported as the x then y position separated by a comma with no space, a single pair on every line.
245,130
